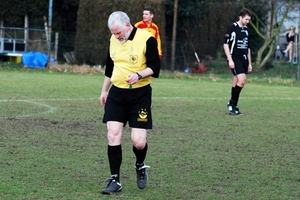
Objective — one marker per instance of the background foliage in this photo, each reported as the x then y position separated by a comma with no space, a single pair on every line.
93,35
83,25
64,19
12,12
200,27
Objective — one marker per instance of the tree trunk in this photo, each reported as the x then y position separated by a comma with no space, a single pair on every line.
174,36
273,30
260,63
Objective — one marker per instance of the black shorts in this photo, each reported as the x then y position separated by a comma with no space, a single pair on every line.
129,105
241,64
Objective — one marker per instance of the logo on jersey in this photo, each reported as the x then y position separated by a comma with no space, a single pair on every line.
133,59
245,31
143,114
113,55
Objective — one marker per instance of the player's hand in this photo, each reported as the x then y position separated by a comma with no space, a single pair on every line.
103,98
132,79
231,64
250,68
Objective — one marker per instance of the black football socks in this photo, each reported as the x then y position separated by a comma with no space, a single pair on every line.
115,160
140,154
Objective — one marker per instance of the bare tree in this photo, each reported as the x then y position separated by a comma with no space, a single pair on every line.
278,12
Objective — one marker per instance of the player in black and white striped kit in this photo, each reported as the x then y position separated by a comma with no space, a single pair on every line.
238,53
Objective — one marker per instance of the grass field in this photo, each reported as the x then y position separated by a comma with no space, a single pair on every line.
53,143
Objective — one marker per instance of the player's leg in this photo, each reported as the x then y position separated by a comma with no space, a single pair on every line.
115,119
140,147
114,152
141,120
238,82
231,102
238,88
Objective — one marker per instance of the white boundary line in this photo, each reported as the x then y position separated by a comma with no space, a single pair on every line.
203,98
51,109
220,98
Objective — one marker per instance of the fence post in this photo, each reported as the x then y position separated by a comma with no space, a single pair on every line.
49,31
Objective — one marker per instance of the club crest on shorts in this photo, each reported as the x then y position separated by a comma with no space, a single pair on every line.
143,114
133,59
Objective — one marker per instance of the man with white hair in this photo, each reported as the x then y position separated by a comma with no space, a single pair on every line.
131,63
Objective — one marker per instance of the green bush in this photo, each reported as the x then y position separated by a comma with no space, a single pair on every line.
92,32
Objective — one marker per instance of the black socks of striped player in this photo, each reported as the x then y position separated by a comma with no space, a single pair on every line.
140,155
235,94
115,160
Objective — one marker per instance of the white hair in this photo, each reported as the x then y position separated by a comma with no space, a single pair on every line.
118,18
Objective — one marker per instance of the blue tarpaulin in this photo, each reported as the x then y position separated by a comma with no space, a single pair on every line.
34,59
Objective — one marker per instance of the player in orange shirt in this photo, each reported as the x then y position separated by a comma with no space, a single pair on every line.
146,23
